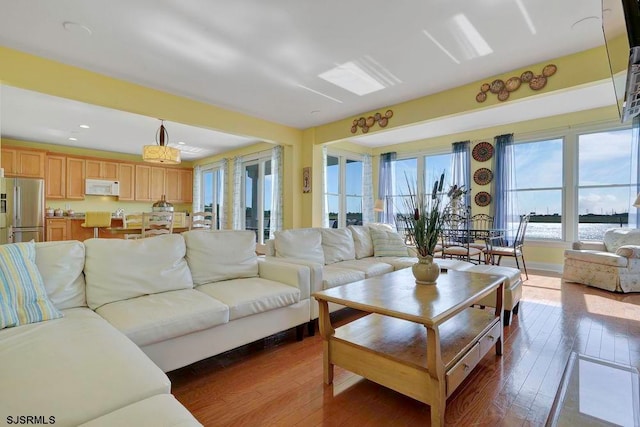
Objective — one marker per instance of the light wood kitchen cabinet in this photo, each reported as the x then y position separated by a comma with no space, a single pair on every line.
75,178
98,169
126,176
179,185
56,177
157,183
23,163
143,183
56,229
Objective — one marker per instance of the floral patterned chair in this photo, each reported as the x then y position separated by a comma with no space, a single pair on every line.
612,264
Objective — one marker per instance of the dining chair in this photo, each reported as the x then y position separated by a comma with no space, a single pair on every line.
502,248
201,221
456,239
132,221
156,223
480,223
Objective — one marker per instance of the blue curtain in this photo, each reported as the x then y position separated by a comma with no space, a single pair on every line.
504,206
385,186
460,169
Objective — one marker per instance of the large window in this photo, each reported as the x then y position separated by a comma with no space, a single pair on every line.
405,173
212,193
607,182
344,190
538,188
257,197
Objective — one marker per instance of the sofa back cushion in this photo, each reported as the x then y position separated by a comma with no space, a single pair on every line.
221,255
363,245
616,237
388,243
119,269
23,297
301,243
61,265
337,245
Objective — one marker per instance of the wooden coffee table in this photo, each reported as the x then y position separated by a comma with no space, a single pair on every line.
420,340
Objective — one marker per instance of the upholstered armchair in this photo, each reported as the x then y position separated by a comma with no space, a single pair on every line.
612,264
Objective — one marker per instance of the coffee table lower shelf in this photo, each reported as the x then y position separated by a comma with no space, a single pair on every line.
393,352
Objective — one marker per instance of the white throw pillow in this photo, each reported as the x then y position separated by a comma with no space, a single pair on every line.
61,264
362,242
388,243
337,245
221,255
119,269
302,243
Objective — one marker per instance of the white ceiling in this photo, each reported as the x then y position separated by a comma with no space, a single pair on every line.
264,59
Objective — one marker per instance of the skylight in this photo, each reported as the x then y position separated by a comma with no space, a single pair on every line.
351,77
472,36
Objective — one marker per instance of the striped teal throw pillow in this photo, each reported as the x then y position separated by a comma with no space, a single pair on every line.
23,298
387,243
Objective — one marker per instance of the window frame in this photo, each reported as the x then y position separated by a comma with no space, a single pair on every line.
259,159
343,156
217,169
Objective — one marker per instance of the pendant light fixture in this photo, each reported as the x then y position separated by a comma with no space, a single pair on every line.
161,153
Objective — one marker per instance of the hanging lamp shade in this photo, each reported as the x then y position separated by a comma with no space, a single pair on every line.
161,153
637,202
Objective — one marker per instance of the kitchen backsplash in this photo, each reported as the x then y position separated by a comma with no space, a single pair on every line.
110,204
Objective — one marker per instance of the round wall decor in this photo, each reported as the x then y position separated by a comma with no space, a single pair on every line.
483,198
482,152
483,176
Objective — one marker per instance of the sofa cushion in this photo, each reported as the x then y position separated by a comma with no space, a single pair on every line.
616,237
597,257
160,410
337,245
629,251
75,368
118,269
251,296
398,262
23,296
369,266
221,255
158,317
388,243
61,264
302,243
363,244
334,276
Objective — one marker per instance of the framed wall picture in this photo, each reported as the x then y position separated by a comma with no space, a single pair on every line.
306,179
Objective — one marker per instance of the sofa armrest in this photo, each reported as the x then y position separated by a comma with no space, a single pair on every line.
314,268
289,274
593,245
629,251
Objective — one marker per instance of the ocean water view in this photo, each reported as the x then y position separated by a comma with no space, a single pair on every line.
553,231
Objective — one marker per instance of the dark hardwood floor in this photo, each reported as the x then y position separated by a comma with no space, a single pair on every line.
278,381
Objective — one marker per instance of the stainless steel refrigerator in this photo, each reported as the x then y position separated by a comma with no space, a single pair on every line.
21,210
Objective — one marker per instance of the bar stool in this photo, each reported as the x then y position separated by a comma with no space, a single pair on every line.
96,220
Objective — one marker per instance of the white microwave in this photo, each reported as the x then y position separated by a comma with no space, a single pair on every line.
101,187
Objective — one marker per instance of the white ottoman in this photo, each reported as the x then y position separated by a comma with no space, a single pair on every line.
512,291
162,410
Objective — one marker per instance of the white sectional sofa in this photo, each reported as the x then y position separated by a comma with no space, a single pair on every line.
133,309
340,256
612,264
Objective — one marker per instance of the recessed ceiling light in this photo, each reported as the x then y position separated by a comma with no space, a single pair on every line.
74,27
72,138
181,142
84,126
